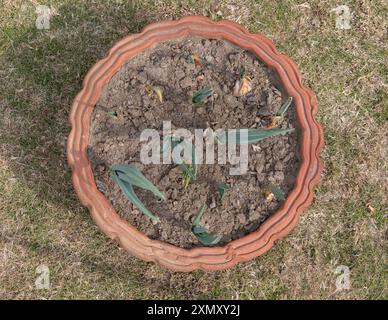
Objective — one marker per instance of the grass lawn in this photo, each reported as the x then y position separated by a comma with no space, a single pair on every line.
42,222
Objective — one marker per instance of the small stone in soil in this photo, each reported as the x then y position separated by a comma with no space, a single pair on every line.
213,204
185,82
241,218
200,110
142,76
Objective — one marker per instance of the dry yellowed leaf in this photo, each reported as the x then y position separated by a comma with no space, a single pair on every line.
156,89
276,121
370,208
246,86
148,88
242,87
159,93
197,60
269,196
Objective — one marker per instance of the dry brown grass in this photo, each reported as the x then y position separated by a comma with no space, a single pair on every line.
43,223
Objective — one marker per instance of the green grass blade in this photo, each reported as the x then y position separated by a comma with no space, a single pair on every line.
283,109
130,174
253,135
127,189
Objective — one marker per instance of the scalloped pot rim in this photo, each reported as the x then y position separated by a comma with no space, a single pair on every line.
204,258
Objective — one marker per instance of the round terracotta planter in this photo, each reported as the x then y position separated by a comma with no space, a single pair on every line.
205,258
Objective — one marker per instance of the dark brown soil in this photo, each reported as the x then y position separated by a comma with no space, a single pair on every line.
115,140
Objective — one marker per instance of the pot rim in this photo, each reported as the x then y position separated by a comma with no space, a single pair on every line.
204,258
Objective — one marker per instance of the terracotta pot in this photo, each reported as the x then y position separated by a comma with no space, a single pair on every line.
205,258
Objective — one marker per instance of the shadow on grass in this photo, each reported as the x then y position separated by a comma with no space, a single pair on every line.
49,67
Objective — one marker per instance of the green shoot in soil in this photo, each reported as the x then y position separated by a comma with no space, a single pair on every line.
200,97
243,72
200,232
253,135
278,193
194,59
222,188
112,114
189,171
279,117
283,109
126,176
